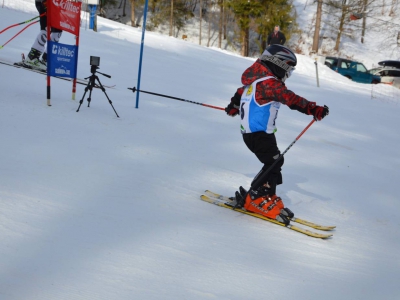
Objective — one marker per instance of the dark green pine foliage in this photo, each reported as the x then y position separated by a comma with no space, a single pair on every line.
260,17
245,11
277,12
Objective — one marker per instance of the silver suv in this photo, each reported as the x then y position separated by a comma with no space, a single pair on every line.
389,71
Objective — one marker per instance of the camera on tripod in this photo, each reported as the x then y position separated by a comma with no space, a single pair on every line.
95,63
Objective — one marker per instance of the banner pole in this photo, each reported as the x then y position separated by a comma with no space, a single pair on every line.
49,55
76,62
141,51
76,59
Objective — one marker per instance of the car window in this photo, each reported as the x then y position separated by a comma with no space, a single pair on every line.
331,62
344,65
394,73
361,68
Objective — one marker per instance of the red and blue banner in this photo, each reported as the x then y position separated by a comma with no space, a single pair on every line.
65,15
62,60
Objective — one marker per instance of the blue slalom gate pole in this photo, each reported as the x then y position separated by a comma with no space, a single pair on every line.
141,51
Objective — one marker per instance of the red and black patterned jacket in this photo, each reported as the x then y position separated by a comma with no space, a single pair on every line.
271,90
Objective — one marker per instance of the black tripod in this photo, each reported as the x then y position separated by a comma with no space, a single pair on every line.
91,84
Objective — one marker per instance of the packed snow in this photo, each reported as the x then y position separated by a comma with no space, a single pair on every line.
93,206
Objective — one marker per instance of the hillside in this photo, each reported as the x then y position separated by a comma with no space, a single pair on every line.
381,42
382,38
98,207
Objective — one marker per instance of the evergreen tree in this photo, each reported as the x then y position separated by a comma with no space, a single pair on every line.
277,12
244,11
261,17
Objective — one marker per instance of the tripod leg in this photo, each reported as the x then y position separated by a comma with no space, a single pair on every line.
83,97
90,97
104,91
91,83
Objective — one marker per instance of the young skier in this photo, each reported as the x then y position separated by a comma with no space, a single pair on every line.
258,102
38,47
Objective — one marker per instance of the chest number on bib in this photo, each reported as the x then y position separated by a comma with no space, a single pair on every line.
242,111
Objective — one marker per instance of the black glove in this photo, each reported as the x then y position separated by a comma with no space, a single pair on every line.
232,109
320,112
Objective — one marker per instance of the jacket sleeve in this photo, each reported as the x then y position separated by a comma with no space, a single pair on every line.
238,95
283,39
275,90
296,102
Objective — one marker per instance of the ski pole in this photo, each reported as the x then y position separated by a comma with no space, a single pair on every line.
24,22
263,176
134,89
18,34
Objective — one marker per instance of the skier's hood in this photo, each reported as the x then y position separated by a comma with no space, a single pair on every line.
255,71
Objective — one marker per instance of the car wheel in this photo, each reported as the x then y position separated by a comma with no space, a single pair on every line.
347,76
375,81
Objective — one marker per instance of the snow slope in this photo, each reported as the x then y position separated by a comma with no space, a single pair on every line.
98,207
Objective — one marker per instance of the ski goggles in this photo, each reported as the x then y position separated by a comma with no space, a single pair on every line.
286,66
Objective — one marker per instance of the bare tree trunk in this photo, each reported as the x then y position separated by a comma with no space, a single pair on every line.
221,16
171,19
341,24
245,42
133,23
209,20
123,9
317,27
225,22
364,22
153,5
201,18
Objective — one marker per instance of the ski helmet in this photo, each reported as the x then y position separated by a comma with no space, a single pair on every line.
280,60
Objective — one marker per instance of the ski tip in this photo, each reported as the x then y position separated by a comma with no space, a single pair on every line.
327,236
329,227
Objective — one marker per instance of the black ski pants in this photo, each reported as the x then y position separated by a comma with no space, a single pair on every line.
264,146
